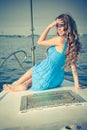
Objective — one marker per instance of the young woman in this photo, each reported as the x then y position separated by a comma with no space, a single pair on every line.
63,53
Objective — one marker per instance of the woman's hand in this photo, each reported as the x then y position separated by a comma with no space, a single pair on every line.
52,24
80,87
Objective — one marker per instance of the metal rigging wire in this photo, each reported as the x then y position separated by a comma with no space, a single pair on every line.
32,31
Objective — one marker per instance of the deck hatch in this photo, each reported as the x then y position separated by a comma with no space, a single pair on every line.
49,99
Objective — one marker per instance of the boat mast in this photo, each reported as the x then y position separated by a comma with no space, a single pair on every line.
32,30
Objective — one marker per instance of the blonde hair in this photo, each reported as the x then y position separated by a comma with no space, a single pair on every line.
73,44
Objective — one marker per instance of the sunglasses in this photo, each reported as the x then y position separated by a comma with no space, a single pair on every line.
60,25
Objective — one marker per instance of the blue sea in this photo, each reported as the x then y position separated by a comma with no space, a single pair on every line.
11,70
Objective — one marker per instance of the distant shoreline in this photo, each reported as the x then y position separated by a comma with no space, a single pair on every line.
17,35
37,35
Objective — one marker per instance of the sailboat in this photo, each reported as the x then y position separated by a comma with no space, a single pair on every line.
61,108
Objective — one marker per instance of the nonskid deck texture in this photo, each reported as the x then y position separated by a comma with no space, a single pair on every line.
49,99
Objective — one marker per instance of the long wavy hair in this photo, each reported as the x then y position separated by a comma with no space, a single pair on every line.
73,44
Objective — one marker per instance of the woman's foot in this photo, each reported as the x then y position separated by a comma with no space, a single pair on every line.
21,87
6,86
18,87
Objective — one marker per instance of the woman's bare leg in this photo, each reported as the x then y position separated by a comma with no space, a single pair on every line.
21,80
21,87
25,77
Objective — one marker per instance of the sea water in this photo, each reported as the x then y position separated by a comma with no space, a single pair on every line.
11,70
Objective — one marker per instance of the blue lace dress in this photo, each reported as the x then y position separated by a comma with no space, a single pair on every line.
49,73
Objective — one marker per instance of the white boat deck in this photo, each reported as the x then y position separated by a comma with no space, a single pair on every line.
64,117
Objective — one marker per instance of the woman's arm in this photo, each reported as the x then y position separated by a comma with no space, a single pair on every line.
53,41
75,76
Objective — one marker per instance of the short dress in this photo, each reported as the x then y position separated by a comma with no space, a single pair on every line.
49,73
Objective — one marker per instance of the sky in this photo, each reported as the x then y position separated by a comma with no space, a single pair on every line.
15,15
